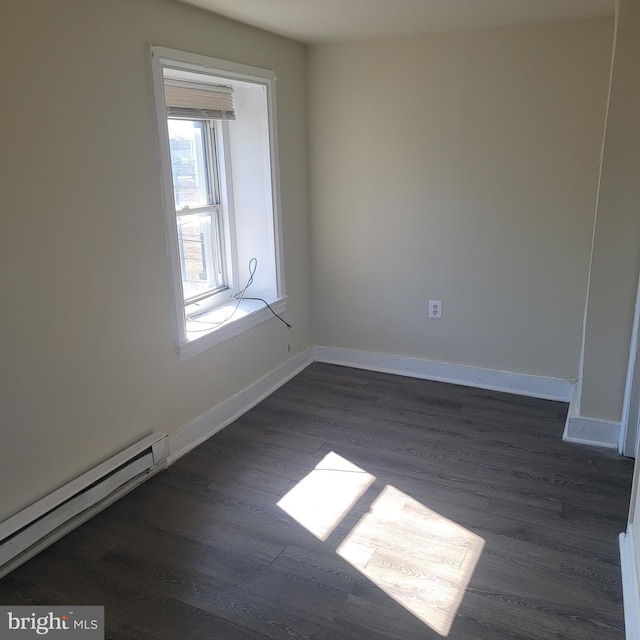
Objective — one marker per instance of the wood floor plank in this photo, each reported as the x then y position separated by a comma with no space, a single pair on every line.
450,512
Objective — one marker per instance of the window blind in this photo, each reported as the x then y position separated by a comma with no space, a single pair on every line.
197,101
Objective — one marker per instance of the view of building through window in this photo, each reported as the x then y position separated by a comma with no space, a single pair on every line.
187,141
193,166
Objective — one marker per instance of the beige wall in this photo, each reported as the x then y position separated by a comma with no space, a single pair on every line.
615,260
87,339
616,249
461,167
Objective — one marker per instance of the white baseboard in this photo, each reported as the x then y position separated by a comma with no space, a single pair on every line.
226,412
630,586
509,382
578,429
597,433
75,511
590,431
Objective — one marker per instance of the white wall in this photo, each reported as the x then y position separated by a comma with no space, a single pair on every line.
458,166
86,335
461,167
615,261
252,188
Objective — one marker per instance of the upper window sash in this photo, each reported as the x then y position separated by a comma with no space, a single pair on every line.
194,165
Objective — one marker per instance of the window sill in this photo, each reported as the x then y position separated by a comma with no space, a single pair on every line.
210,329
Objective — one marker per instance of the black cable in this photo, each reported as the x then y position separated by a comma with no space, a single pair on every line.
253,266
272,311
239,296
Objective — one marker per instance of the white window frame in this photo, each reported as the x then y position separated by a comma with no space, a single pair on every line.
252,313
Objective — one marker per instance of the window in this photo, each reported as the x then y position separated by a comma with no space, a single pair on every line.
194,165
216,124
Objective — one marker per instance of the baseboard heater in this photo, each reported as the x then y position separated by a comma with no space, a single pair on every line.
31,530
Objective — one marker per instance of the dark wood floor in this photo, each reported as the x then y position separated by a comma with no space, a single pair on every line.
357,505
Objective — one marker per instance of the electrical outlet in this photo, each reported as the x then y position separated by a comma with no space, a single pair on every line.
435,309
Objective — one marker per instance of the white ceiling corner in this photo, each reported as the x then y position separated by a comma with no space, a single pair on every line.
322,21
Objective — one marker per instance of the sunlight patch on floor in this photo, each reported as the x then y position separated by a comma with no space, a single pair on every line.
323,498
415,555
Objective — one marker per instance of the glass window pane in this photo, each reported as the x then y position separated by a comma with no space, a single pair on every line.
199,254
187,143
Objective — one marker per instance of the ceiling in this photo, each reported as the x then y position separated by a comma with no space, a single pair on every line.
318,21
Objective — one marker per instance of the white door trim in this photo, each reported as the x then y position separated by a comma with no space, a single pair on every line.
631,406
